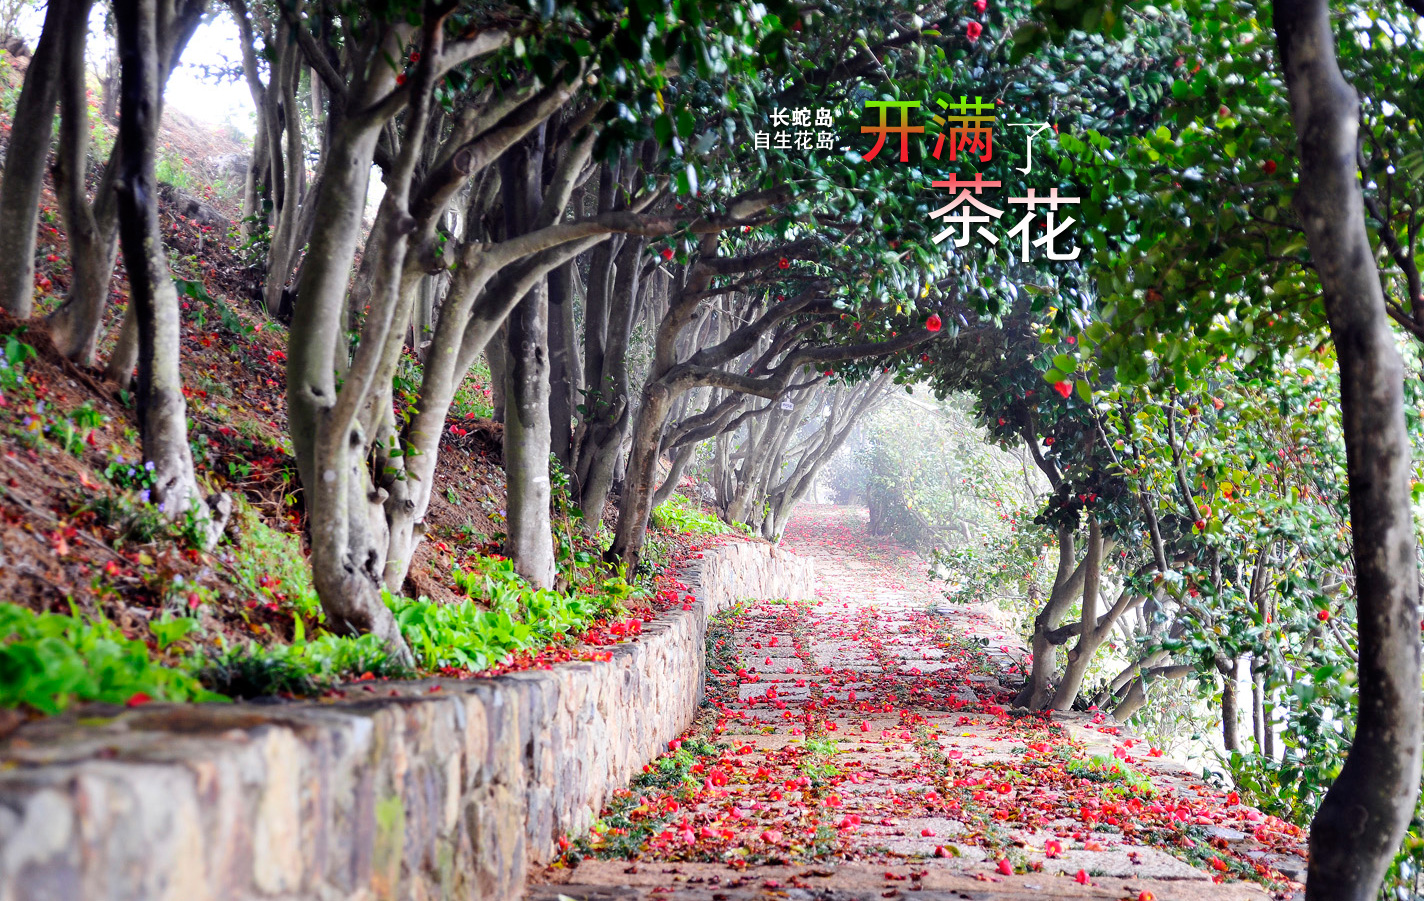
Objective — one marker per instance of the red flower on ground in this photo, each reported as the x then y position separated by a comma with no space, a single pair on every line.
933,323
138,698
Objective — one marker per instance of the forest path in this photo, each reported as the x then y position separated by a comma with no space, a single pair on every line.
867,751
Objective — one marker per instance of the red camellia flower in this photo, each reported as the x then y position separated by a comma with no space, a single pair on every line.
1063,388
1269,166
415,56
981,5
138,699
400,79
1005,867
933,323
667,253
1323,616
973,30
783,263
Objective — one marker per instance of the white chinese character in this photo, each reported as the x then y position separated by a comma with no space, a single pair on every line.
780,117
1054,230
823,140
1033,201
966,217
803,140
800,117
823,118
763,141
783,140
1053,202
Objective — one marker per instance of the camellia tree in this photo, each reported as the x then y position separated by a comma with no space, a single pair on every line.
1271,261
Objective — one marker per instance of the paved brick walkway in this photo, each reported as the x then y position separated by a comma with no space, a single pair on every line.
862,747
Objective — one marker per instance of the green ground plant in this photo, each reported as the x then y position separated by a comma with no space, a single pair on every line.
49,661
515,616
250,670
683,514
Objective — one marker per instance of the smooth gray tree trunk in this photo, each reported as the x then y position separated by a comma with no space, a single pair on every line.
162,410
23,182
1358,828
74,326
530,539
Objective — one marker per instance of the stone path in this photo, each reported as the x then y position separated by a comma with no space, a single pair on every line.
863,747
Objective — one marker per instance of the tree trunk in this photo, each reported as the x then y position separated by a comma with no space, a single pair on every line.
530,539
496,357
93,244
563,365
1358,828
1082,653
162,411
1230,706
1258,710
642,472
1068,581
25,161
669,485
287,156
124,357
93,227
803,479
1133,700
609,413
348,529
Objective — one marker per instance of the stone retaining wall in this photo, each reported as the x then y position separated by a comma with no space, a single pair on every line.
434,789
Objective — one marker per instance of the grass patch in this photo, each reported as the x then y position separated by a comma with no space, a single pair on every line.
269,563
1108,770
